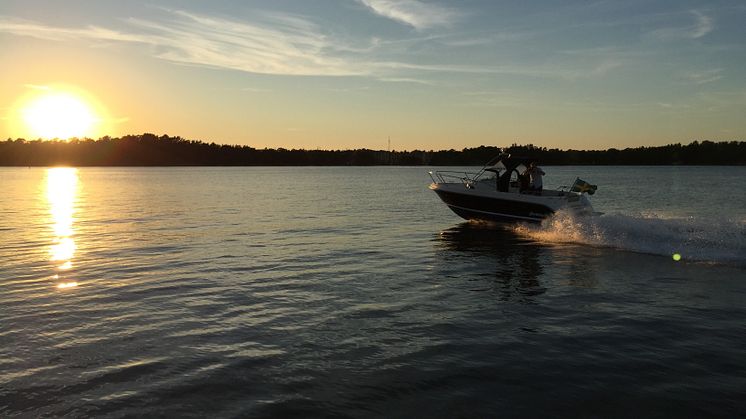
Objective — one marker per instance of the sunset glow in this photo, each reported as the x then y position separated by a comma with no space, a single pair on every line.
346,74
59,115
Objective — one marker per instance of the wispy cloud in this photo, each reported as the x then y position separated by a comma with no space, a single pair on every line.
701,26
556,71
723,99
489,39
607,52
349,89
36,87
603,68
22,27
286,44
415,13
703,77
255,90
500,99
273,44
406,80
119,120
277,44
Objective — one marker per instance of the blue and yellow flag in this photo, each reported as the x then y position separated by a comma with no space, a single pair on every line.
581,186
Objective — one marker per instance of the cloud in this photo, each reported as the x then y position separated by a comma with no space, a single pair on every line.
500,99
702,77
723,98
604,67
350,89
489,39
286,44
21,27
554,71
255,90
272,43
119,120
276,44
37,87
701,26
414,13
406,80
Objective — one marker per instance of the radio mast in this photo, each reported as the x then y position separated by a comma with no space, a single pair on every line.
389,150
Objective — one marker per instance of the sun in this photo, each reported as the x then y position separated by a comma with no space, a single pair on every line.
58,113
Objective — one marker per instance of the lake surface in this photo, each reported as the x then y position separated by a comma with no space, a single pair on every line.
354,292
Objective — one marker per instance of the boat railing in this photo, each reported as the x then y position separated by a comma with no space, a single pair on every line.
450,176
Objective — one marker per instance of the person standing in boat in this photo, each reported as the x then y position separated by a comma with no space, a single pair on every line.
524,182
535,172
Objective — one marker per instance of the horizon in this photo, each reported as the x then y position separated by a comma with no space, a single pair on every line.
350,74
538,148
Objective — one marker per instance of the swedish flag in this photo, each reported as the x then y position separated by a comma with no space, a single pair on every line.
581,186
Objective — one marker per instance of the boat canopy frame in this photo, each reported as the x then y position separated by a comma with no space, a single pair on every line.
502,166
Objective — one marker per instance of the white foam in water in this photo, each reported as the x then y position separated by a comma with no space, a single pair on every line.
710,240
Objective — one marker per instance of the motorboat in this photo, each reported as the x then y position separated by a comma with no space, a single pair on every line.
498,193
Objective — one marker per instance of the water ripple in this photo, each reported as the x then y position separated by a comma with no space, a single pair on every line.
199,292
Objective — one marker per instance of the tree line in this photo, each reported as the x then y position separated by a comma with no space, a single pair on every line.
153,150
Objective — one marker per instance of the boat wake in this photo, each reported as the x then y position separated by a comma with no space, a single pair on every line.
720,241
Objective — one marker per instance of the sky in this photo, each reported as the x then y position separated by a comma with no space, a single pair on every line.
424,74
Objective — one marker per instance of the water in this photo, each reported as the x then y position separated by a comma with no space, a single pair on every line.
309,292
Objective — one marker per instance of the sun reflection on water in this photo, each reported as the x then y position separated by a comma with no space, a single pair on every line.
62,186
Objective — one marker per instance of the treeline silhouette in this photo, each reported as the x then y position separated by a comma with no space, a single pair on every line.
152,150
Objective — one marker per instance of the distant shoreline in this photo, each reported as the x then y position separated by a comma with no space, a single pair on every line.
149,150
